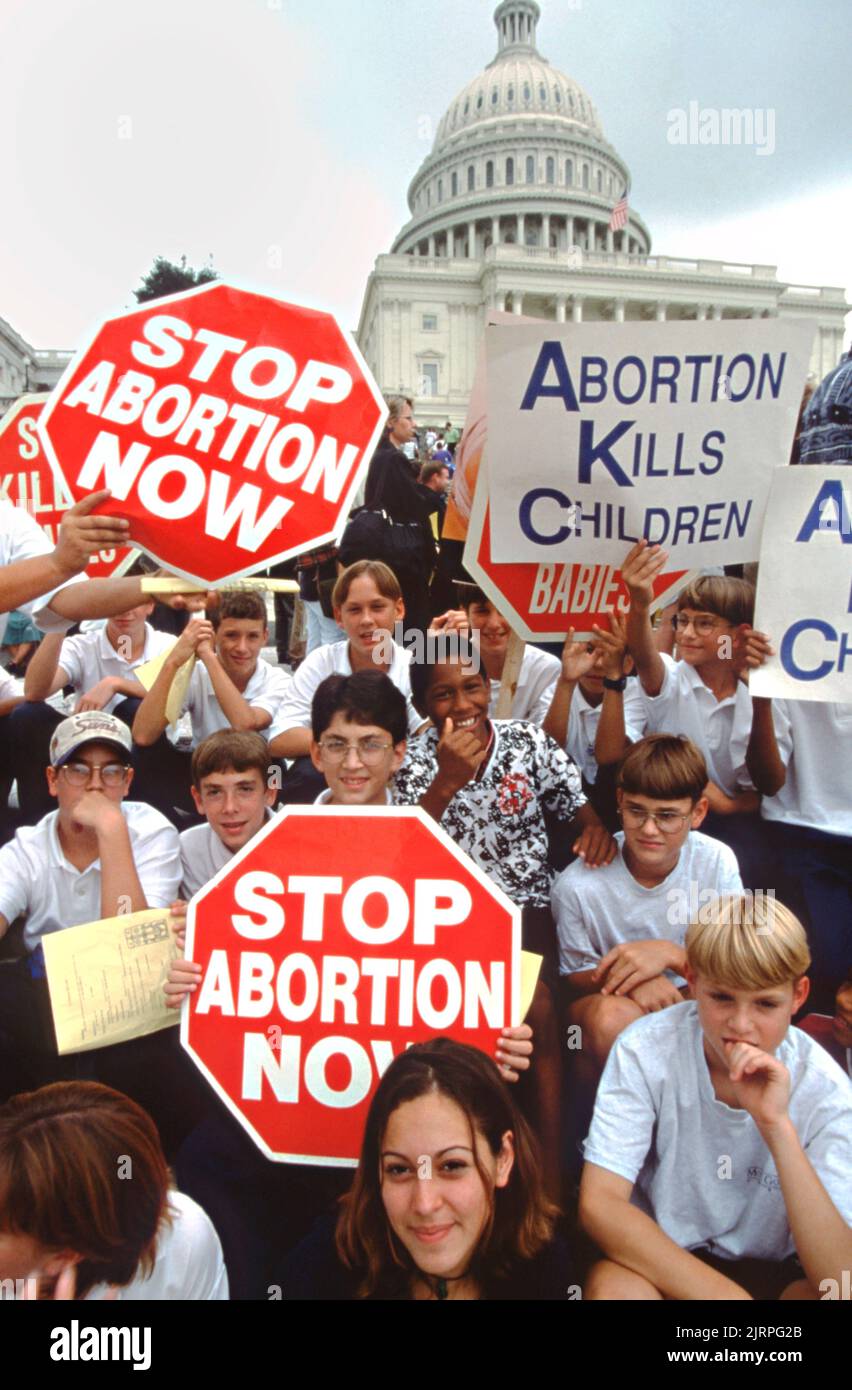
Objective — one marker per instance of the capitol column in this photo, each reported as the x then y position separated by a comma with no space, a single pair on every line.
560,308
569,233
451,243
521,232
577,309
701,312
432,246
660,313
545,230
495,231
716,313
610,246
517,302
619,311
471,241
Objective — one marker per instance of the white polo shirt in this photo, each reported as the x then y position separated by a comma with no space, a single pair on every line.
188,1264
815,743
90,656
536,683
202,855
720,728
583,721
266,690
21,538
658,1124
37,880
332,659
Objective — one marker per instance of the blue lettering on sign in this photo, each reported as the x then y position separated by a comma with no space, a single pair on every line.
830,495
815,673
551,355
591,452
530,530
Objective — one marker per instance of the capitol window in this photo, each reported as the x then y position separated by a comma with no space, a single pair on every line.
454,184
489,174
471,178
440,190
542,94
527,93
530,168
558,96
569,171
510,92
510,170
429,323
600,180
551,169
479,102
494,97
585,175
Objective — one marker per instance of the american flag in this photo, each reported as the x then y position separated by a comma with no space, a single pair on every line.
618,220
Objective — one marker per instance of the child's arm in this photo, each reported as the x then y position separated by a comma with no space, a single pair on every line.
460,756
151,718
594,844
578,658
744,803
822,1238
44,674
611,739
640,568
631,963
632,1239
239,713
121,889
763,759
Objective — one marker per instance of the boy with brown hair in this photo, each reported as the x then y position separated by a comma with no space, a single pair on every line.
621,929
717,1164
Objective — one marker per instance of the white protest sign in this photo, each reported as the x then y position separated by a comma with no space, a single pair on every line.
804,586
602,433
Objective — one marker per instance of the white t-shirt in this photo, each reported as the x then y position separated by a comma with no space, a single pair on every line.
188,1266
720,728
90,657
332,659
202,855
266,690
583,721
536,683
10,687
658,1124
36,879
815,743
596,909
21,538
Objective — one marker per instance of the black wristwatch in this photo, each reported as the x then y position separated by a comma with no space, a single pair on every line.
620,684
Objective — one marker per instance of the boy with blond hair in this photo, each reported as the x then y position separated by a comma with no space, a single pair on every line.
717,1164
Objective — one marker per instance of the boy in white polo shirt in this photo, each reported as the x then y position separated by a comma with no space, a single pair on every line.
100,665
231,789
367,603
621,929
96,856
717,1164
704,694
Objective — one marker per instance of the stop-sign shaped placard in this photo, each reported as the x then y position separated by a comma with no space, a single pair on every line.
543,601
232,428
27,480
330,943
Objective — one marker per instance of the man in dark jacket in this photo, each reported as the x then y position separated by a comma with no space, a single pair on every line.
391,487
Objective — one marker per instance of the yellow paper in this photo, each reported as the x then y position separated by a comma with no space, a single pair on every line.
530,970
149,672
106,979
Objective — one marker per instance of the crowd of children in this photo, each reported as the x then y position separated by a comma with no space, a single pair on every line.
681,857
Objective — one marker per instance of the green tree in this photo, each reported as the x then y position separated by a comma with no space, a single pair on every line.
165,277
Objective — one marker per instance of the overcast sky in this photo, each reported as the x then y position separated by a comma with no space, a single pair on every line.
280,136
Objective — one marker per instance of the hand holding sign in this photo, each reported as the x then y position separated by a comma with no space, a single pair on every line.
82,535
641,566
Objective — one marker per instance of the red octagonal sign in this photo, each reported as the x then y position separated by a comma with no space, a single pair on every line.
330,943
232,429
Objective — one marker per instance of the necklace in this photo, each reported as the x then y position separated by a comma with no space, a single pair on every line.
439,1283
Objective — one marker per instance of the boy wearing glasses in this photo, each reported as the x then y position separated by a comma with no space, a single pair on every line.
95,856
621,929
704,694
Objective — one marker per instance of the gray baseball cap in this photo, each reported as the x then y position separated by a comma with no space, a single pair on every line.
92,726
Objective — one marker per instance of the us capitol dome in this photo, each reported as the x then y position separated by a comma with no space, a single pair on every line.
512,210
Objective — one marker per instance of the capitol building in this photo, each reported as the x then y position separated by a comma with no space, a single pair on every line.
511,210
